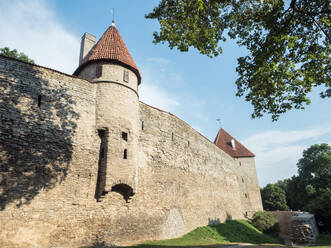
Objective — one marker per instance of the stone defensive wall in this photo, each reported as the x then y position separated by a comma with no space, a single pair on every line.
49,165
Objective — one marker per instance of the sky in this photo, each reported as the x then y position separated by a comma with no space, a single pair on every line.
192,86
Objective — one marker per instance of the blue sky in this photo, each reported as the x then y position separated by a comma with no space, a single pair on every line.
192,86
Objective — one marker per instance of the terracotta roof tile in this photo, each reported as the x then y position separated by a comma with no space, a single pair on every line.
112,48
223,141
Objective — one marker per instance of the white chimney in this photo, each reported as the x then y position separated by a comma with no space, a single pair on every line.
88,41
233,144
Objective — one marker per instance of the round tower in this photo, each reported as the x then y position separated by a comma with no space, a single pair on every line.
110,65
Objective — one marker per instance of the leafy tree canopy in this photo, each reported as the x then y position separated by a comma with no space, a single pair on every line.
310,190
14,54
273,198
315,166
288,45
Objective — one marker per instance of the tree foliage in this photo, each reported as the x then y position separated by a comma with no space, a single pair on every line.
273,198
14,54
288,45
310,190
314,169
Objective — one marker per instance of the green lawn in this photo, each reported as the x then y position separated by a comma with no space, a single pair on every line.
323,240
236,231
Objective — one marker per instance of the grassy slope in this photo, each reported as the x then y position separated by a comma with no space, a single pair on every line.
238,231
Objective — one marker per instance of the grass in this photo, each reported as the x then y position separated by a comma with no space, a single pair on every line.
235,231
323,240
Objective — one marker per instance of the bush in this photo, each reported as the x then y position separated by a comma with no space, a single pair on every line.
265,222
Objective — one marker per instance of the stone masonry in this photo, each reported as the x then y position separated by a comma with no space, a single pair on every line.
83,161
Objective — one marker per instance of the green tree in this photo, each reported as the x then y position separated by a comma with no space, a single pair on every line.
295,195
14,54
314,183
273,198
310,190
288,45
315,166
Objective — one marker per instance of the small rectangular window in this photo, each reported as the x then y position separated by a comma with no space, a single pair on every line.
125,136
172,136
39,101
98,71
125,154
126,76
142,125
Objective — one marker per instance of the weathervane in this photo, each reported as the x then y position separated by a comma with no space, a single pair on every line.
219,122
112,11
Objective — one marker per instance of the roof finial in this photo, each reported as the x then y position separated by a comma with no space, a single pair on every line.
219,122
112,11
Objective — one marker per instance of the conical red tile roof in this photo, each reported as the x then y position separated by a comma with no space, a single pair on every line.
223,141
110,48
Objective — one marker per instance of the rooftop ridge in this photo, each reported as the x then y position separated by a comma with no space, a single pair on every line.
223,141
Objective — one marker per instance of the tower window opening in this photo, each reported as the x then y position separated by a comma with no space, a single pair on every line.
242,179
98,71
172,136
188,143
246,195
142,125
125,136
125,154
126,76
39,101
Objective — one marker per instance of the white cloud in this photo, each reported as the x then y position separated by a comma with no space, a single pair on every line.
156,73
277,152
161,62
157,97
269,140
31,28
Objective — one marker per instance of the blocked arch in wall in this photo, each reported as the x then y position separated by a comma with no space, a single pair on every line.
123,189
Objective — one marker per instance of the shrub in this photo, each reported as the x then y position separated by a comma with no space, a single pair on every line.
265,222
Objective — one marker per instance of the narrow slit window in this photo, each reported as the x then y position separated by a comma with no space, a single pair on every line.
246,195
98,71
39,101
242,179
142,125
172,136
125,136
102,165
125,154
188,143
126,76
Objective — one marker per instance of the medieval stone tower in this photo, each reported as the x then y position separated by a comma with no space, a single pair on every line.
110,66
83,161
